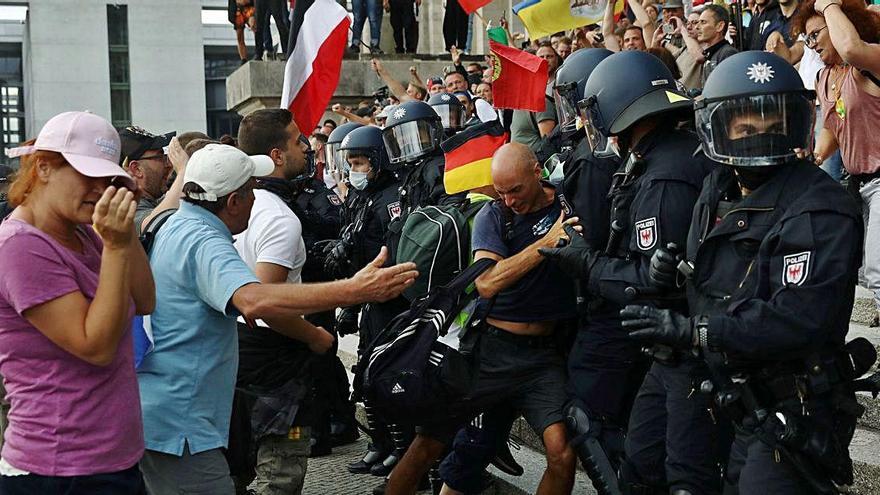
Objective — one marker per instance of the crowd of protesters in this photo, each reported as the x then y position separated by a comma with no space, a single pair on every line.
206,248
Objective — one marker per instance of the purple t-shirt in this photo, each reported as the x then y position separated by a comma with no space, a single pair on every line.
67,417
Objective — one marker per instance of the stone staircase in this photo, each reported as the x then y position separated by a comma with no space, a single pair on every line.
865,447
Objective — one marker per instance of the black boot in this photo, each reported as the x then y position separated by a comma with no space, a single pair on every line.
378,450
401,442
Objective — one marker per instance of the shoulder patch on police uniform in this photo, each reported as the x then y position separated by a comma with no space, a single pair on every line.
394,209
334,200
566,208
646,233
795,268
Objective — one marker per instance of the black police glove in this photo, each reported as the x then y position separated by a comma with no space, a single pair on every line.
337,258
576,258
660,326
347,321
664,266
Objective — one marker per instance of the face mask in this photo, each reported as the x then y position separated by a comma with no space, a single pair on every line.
752,177
358,180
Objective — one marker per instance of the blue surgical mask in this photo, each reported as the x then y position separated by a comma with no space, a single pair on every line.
358,180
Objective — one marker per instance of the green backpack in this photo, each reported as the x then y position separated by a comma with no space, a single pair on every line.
438,240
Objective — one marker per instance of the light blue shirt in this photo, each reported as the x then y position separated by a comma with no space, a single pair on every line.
188,380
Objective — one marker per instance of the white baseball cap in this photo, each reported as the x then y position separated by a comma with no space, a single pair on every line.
221,169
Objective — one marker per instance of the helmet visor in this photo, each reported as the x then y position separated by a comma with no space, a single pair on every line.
587,115
565,98
334,158
757,130
411,140
452,117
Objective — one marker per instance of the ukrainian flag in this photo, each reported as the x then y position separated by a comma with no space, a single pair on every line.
545,17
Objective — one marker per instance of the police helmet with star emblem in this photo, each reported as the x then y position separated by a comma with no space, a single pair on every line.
451,111
412,132
755,111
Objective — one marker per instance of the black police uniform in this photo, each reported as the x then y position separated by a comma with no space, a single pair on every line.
605,367
320,210
651,199
775,273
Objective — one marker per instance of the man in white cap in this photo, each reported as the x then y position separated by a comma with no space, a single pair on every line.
202,285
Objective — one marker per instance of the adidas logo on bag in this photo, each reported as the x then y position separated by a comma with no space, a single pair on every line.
397,389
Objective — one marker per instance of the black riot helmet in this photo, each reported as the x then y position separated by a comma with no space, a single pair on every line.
452,113
571,78
412,131
626,88
366,141
333,158
755,111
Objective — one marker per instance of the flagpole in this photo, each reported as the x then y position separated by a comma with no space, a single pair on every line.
485,25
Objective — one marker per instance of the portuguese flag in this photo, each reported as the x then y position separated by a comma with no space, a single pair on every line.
469,156
519,79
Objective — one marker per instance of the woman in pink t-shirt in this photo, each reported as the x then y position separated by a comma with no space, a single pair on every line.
846,35
73,275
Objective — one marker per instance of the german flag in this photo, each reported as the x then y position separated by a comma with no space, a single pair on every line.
469,156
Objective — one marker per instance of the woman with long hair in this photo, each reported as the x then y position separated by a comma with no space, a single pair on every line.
846,35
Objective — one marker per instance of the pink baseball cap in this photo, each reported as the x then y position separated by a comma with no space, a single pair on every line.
87,141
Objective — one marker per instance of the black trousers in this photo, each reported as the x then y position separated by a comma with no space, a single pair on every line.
406,28
278,10
673,440
455,25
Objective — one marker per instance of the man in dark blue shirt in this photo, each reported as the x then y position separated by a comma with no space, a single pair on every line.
520,364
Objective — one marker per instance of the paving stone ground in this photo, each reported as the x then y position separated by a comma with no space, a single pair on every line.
329,475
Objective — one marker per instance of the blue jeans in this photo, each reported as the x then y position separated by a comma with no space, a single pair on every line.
361,10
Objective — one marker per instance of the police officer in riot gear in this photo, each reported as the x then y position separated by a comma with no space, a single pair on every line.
334,160
633,97
372,203
453,114
773,254
412,136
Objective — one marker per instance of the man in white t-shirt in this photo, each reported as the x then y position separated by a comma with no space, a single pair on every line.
272,246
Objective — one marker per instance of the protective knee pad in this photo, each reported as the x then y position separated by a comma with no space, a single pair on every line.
585,434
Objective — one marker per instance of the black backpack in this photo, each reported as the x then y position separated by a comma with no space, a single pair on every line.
410,369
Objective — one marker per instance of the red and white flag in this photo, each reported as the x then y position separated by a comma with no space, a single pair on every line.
319,36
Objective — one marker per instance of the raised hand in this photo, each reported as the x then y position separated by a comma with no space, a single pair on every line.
113,218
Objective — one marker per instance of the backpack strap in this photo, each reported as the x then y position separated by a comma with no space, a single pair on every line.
148,236
470,274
